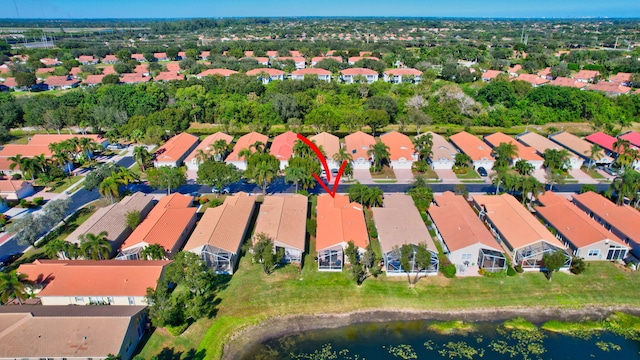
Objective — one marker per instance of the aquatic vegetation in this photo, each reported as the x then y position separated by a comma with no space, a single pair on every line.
608,346
460,350
429,345
526,340
452,327
403,351
584,330
326,353
624,324
520,324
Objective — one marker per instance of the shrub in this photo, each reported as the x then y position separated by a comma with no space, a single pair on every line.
178,329
38,201
311,227
24,203
511,271
202,200
482,271
449,271
519,269
215,203
578,266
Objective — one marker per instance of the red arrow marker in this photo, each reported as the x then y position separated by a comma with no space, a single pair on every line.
327,171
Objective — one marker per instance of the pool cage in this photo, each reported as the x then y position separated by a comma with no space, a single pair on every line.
331,259
530,257
392,263
218,260
131,254
491,260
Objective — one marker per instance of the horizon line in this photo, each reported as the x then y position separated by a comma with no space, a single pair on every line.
635,17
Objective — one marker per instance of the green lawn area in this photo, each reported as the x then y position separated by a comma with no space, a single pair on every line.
62,185
593,173
429,174
252,297
386,173
471,174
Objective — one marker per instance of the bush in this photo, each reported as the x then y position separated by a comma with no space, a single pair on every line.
202,200
519,269
215,203
449,271
38,201
178,329
482,271
24,203
311,227
511,271
578,266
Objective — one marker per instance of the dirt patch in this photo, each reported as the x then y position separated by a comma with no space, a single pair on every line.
277,327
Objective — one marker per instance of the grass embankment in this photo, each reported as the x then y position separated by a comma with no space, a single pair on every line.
252,297
62,185
618,323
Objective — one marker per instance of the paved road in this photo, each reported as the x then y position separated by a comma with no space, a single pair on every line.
126,161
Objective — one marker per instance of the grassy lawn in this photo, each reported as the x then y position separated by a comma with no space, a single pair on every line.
429,174
63,185
471,174
593,173
386,173
252,297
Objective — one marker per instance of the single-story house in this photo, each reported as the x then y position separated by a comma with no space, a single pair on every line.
109,59
219,235
271,74
545,73
632,136
299,61
586,76
207,145
523,152
469,245
321,74
479,152
316,59
71,332
354,59
398,76
338,222
580,233
283,218
605,141
87,59
245,142
42,73
401,151
61,82
87,282
513,70
216,72
331,146
168,76
112,220
400,223
490,75
161,56
358,144
621,221
175,150
138,57
142,69
621,78
49,62
610,88
521,235
580,147
168,225
443,153
541,144
349,76
533,79
282,147
134,78
567,82
15,189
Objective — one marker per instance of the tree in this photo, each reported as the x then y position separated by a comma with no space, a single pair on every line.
361,267
553,178
14,285
497,178
142,157
406,260
462,160
380,154
27,166
56,210
625,185
133,219
97,176
218,174
421,193
110,79
262,168
376,119
556,160
167,177
95,247
503,154
296,175
595,154
55,248
153,252
423,145
422,260
109,188
553,262
523,167
264,253
29,228
25,79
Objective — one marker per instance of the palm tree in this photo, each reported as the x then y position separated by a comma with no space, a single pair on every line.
263,174
342,155
423,145
246,154
142,156
95,247
374,196
220,149
296,175
125,176
153,252
258,147
136,136
498,178
626,185
202,155
87,146
503,154
110,188
14,285
621,145
462,160
556,159
300,149
530,185
380,153
595,154
523,167
28,166
55,248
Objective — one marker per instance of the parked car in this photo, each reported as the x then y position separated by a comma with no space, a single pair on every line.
225,190
334,172
610,171
115,146
482,171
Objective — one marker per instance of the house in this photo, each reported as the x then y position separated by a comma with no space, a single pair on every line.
354,59
523,152
219,235
135,78
586,76
580,147
93,80
11,83
216,72
545,73
111,219
398,76
316,59
48,62
401,151
87,282
264,61
87,59
521,235
168,225
204,55
15,189
605,141
542,144
350,76
579,233
109,59
533,79
71,332
207,145
282,147
331,146
138,57
490,75
283,219
61,82
621,221
42,73
175,150
513,71
182,55
75,71
161,56
358,144
267,75
108,70
142,69
443,153
168,76
621,78
173,66
321,74
400,223
633,137
567,82
245,142
338,222
478,151
299,62
465,240
610,88
272,54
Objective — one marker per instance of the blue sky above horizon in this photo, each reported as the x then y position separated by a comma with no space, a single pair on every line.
83,9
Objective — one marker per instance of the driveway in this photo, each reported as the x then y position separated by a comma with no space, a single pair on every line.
362,175
447,175
404,175
540,175
582,177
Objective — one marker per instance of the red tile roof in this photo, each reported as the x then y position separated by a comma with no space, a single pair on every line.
46,139
87,59
10,82
50,62
586,74
42,71
207,143
269,71
173,66
142,69
94,278
604,140
358,71
632,136
60,81
168,76
355,59
567,82
491,74
93,79
620,78
12,186
244,142
403,71
311,71
75,71
358,144
524,152
219,72
109,57
282,145
108,70
283,218
317,59
610,88
545,72
400,146
340,221
134,78
532,79
472,146
623,218
328,142
138,57
176,147
160,55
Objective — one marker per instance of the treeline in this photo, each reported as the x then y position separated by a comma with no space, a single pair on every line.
151,111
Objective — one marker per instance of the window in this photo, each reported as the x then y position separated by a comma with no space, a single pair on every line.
131,300
594,252
109,300
466,257
79,299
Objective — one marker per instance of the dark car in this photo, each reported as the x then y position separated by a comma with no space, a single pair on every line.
482,171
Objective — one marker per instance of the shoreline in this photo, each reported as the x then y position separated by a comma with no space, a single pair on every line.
272,328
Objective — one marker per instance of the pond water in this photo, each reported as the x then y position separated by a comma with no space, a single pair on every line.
415,340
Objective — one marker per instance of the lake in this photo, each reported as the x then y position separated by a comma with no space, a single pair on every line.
419,340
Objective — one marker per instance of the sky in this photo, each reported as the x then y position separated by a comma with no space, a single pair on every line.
69,9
